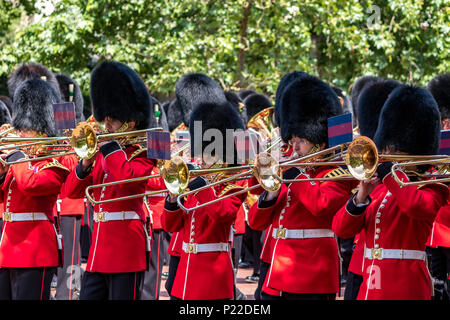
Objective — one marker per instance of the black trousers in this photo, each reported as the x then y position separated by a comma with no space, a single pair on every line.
69,276
86,231
264,268
173,266
253,242
346,251
151,285
440,269
354,282
26,283
298,296
111,286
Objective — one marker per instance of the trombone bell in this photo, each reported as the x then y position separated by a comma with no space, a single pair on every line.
362,158
84,141
175,174
265,167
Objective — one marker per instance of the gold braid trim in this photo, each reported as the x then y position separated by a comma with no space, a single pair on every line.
136,153
54,164
339,172
228,188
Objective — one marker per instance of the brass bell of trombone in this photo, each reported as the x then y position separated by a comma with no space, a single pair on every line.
361,158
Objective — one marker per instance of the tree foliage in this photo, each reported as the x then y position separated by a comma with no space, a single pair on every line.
240,43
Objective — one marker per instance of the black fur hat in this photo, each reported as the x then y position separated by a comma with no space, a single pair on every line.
306,105
5,116
284,82
344,99
28,71
439,87
118,92
242,94
162,114
174,115
356,90
238,104
370,102
220,116
64,81
33,105
193,89
409,122
255,103
8,103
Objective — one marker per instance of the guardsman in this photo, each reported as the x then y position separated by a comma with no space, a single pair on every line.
370,103
205,270
305,259
70,211
439,241
120,248
397,220
30,246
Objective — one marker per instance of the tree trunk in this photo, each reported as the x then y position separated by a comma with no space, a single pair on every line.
241,53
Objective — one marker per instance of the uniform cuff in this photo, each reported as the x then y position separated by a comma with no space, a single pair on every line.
266,203
357,209
170,206
15,156
81,174
109,148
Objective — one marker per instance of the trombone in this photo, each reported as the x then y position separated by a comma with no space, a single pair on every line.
83,140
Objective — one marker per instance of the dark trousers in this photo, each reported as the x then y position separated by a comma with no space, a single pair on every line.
69,276
354,282
26,283
264,268
111,286
346,251
173,266
237,245
440,269
151,286
298,296
86,231
252,241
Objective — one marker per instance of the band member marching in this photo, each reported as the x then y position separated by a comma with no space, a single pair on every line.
397,220
120,249
205,270
30,247
305,262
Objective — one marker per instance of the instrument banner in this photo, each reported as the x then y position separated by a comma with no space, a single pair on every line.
64,114
340,129
444,147
158,145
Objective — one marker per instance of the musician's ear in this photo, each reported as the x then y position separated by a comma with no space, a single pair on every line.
132,124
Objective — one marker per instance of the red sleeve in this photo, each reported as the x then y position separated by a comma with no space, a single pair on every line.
42,182
261,218
418,203
224,210
321,199
346,225
172,221
156,183
117,165
75,187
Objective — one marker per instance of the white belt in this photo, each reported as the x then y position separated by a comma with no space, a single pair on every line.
25,216
394,254
105,216
205,247
283,233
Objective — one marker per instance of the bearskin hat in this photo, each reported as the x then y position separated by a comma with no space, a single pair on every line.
5,116
28,71
193,89
370,102
8,103
284,82
356,90
220,116
343,99
306,105
255,103
64,81
409,122
118,92
242,94
237,104
174,115
439,87
33,105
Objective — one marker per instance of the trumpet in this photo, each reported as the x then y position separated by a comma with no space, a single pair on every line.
83,140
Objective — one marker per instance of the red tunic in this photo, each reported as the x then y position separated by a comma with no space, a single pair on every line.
31,187
118,246
440,233
207,275
304,265
397,218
